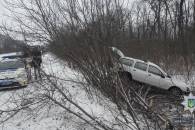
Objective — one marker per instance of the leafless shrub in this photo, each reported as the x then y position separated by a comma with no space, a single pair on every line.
79,32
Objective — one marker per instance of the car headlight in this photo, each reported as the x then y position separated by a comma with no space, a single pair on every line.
23,82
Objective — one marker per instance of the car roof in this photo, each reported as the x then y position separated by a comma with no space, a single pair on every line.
150,63
7,59
130,58
10,56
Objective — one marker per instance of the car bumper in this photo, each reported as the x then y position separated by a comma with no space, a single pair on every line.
8,83
187,92
23,82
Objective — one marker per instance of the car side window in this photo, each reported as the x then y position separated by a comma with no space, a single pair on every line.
127,62
154,70
141,66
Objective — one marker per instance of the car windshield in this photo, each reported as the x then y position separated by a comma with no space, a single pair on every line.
163,72
11,65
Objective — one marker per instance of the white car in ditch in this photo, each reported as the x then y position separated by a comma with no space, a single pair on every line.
12,73
151,74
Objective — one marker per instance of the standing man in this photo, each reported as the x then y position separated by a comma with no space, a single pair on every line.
36,61
27,60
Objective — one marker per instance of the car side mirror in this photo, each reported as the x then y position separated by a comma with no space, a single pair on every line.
162,76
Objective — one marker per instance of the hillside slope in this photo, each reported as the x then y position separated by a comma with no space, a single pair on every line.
47,115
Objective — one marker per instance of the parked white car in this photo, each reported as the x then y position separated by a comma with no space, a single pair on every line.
12,73
151,74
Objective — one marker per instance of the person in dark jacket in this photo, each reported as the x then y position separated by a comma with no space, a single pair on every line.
27,60
36,61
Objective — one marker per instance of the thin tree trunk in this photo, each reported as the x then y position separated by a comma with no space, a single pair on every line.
165,31
158,18
180,19
194,16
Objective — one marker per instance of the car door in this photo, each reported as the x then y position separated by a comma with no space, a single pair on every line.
139,71
154,76
166,82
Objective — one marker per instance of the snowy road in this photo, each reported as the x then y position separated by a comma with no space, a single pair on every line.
50,118
1,93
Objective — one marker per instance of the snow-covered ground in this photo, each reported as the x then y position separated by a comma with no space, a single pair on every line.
40,114
50,116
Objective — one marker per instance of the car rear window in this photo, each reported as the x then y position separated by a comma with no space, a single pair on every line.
11,65
127,62
140,66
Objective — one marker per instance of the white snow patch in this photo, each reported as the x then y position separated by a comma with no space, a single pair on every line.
54,118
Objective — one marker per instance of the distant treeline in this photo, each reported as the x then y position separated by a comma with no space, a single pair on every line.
150,29
158,30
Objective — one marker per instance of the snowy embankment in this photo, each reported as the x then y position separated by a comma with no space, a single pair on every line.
50,116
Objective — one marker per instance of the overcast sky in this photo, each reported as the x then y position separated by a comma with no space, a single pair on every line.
2,10
4,19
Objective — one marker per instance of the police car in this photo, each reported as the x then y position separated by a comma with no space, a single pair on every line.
12,71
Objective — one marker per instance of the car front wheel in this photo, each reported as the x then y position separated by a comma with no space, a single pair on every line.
175,91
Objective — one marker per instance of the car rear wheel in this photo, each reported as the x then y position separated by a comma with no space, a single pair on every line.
176,91
125,75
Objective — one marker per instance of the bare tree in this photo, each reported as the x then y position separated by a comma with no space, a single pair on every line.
80,32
